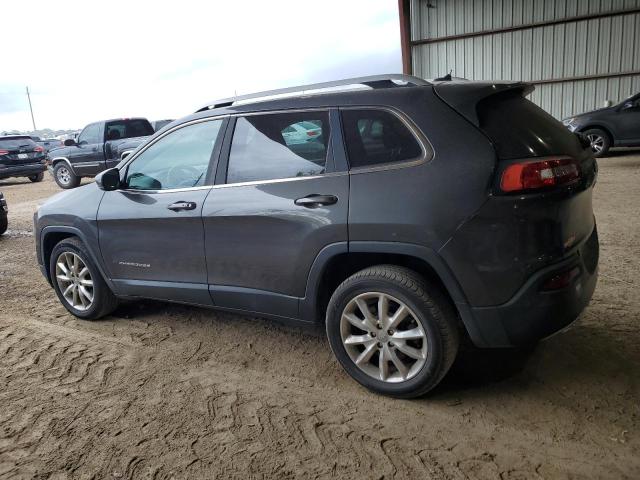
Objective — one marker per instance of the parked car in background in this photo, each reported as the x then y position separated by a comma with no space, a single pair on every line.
302,132
160,124
427,212
616,126
4,212
49,143
20,156
96,149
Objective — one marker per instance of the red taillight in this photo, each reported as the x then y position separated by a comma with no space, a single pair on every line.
38,149
4,152
561,280
539,173
312,133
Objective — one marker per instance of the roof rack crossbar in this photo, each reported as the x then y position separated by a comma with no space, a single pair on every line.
373,81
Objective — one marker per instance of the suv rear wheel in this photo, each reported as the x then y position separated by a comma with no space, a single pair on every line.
38,177
599,140
78,283
64,177
392,331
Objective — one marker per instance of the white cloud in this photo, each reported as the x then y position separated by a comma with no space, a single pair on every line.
94,60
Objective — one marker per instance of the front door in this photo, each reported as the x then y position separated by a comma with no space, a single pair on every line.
279,204
151,233
88,156
627,121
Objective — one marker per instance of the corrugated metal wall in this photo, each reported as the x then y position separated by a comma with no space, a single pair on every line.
590,47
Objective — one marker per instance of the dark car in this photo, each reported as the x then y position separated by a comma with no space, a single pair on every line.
160,124
20,156
4,211
424,213
617,126
96,149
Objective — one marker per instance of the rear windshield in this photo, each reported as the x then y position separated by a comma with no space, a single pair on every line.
519,128
16,142
128,129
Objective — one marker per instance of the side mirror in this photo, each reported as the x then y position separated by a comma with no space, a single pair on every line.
69,142
108,180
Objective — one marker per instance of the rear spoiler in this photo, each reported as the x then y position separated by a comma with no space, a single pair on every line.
464,97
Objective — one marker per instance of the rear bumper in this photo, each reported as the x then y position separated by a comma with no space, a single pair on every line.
22,170
532,314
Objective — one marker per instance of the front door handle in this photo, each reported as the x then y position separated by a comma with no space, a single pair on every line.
179,206
315,201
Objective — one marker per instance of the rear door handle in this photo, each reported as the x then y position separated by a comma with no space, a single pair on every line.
178,206
315,201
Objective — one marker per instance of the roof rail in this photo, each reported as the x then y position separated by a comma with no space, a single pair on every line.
372,81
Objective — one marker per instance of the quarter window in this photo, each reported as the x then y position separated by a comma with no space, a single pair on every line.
279,145
376,137
178,160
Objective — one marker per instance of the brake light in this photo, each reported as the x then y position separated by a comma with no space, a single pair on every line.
38,149
312,133
4,152
539,173
561,280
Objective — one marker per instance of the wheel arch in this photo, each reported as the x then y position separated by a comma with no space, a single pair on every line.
51,236
338,261
57,160
599,126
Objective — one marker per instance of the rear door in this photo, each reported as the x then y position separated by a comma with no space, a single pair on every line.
151,232
276,204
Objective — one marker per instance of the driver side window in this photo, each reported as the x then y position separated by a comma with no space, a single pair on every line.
90,135
178,160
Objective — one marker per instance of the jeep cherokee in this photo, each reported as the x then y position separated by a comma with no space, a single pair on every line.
416,214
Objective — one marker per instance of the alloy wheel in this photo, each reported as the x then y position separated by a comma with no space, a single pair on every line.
63,175
74,281
383,337
596,141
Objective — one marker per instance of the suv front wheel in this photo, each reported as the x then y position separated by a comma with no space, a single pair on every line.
64,177
392,331
78,283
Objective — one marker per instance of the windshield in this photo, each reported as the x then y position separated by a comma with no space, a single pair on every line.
14,143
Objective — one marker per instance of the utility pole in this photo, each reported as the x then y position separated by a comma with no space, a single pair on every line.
31,109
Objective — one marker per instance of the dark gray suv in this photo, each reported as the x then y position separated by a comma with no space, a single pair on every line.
405,215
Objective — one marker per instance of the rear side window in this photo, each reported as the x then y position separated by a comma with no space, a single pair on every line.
16,143
128,129
280,145
519,128
376,137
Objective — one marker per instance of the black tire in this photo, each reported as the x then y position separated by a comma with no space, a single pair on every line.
600,141
430,307
37,178
104,301
64,176
4,223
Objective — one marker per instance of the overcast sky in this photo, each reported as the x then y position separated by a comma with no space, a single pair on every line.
90,60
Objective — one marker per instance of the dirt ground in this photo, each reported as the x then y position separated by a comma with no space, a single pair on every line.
166,391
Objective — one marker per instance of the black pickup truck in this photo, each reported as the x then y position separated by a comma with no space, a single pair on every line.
98,148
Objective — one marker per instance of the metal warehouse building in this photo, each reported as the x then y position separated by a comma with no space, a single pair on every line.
578,53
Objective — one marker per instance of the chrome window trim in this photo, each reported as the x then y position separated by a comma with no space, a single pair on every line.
279,180
168,190
428,153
